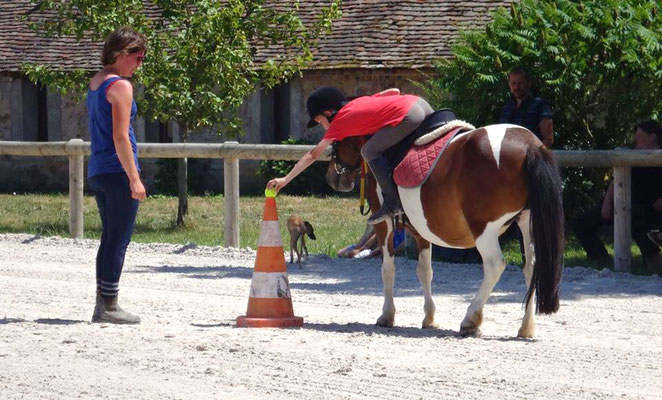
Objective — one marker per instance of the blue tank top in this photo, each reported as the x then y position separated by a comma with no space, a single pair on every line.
103,159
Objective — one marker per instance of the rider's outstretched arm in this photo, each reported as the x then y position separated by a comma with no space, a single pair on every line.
300,166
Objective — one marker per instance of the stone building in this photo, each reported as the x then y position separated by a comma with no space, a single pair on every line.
376,44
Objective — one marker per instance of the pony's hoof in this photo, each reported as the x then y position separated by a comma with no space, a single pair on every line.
525,333
470,332
429,325
385,322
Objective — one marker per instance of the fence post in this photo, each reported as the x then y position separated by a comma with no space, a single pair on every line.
231,194
75,192
622,219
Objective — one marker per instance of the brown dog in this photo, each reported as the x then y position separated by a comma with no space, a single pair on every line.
299,229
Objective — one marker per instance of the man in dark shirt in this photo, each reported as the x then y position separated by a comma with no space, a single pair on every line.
531,112
527,110
646,206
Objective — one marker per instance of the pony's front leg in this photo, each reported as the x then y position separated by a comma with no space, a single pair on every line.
527,330
493,266
388,279
424,273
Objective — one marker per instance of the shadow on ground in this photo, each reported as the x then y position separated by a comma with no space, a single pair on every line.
320,273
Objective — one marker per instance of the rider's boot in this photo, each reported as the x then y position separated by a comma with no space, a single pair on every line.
391,207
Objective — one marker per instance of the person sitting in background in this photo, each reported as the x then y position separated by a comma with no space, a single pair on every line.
368,246
646,206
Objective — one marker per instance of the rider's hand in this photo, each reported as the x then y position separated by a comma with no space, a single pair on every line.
277,183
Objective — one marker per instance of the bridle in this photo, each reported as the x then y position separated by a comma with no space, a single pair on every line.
345,168
342,167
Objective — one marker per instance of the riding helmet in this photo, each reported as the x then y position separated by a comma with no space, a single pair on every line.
323,99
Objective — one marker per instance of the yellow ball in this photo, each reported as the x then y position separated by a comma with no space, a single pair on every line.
270,192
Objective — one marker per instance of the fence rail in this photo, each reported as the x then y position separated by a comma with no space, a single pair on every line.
232,152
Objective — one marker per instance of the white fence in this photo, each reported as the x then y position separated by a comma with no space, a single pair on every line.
232,152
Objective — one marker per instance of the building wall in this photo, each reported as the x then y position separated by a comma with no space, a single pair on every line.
269,116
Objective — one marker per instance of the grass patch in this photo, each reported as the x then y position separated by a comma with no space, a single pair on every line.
336,220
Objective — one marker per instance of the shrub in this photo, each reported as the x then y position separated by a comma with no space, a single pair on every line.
597,62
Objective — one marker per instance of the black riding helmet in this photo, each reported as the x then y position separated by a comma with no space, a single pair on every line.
323,99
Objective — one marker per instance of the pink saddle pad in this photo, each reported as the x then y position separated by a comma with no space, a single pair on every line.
415,168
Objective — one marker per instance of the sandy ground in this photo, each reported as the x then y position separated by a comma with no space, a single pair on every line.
605,342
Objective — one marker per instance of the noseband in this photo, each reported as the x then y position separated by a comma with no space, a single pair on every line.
342,167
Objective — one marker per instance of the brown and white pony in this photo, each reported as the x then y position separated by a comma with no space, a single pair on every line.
486,179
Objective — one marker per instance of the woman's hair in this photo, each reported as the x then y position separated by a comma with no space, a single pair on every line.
651,126
122,40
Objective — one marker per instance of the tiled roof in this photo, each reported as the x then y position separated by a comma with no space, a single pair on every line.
370,34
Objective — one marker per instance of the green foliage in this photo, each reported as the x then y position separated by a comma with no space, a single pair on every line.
597,62
205,56
310,181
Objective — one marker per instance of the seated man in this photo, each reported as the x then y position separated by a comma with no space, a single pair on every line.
368,245
646,206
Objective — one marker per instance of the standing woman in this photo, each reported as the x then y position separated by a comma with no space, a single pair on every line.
113,170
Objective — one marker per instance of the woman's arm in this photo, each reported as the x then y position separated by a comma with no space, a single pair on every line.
120,96
300,166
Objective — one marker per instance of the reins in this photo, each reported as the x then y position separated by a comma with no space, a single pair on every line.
342,168
364,169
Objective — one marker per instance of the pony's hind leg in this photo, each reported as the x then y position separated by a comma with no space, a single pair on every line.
424,273
493,265
527,330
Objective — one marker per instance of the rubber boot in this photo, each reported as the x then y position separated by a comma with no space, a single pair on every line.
391,207
107,310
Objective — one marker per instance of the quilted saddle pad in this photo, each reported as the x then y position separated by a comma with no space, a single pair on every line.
417,165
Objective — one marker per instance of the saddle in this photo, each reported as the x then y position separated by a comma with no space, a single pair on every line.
437,119
417,155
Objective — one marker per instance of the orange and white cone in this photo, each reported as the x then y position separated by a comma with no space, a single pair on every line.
270,302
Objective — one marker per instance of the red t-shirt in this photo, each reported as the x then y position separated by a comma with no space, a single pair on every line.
366,115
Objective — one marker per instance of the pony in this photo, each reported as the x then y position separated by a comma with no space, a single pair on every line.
486,179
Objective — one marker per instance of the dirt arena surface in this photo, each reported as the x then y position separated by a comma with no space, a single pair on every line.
605,342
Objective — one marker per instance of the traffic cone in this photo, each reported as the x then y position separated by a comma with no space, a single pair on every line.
270,302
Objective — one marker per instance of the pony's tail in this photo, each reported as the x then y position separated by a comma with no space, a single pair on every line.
545,201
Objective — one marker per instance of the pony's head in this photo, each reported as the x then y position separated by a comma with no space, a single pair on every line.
345,164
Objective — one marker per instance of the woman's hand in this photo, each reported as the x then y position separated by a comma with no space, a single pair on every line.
138,191
277,183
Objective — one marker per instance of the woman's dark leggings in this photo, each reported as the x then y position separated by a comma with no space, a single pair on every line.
117,210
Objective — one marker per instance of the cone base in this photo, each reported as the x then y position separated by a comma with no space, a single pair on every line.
291,322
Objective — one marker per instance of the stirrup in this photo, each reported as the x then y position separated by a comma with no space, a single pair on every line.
382,215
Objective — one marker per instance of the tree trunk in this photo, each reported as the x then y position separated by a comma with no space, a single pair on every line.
182,181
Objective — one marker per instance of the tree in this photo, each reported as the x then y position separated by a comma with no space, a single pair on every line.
598,62
205,56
